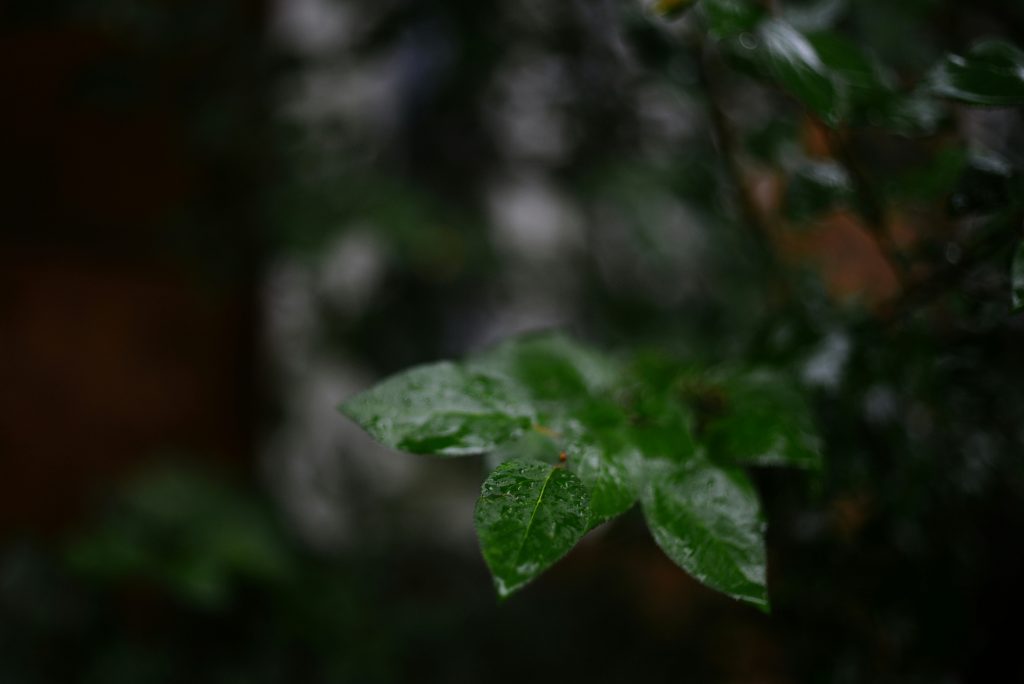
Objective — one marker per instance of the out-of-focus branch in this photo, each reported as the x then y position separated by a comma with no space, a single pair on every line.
758,228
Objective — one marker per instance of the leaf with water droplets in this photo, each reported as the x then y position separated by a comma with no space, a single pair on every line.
708,520
442,409
528,516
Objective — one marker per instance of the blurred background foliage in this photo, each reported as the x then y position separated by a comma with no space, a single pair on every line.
223,218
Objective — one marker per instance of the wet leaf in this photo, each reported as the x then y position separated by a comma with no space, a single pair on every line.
991,73
442,409
528,516
708,521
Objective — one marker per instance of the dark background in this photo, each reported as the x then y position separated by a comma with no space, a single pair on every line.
218,219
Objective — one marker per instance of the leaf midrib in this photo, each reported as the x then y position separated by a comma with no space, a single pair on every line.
533,515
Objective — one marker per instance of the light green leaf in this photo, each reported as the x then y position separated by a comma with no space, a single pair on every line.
442,409
991,73
528,516
708,520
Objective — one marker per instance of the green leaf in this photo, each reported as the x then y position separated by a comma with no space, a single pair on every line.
727,18
757,419
442,409
708,520
528,516
792,61
548,367
991,73
1017,279
816,187
864,81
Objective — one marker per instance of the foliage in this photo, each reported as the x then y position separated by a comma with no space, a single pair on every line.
577,437
585,436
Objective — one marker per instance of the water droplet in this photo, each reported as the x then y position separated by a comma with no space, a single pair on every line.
748,41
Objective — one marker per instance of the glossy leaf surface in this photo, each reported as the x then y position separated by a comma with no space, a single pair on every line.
991,73
528,516
708,520
441,409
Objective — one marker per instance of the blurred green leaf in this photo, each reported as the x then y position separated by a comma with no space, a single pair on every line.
991,73
528,516
794,63
813,15
865,82
1017,279
726,18
185,532
708,520
756,418
816,187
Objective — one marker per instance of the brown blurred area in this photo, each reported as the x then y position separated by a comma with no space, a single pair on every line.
125,153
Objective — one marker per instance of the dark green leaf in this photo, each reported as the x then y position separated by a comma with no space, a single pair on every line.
816,187
528,516
813,15
757,419
441,409
726,18
865,83
708,520
793,62
991,73
1017,279
911,114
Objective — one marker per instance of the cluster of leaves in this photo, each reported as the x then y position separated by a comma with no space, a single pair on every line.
576,438
841,83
